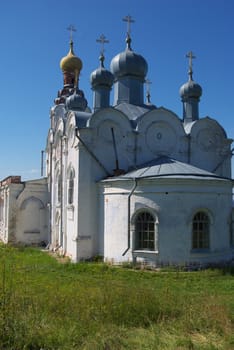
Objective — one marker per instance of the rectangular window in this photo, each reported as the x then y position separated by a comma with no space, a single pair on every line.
145,231
200,234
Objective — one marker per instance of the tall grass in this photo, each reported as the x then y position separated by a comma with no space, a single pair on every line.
48,305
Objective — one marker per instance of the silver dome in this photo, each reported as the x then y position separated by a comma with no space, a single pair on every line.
129,63
101,77
76,102
190,89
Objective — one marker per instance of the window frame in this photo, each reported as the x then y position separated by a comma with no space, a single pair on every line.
70,188
144,222
201,225
58,188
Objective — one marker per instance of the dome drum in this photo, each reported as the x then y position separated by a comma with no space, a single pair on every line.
69,79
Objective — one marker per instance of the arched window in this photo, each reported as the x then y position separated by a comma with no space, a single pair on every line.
59,188
145,231
201,228
71,188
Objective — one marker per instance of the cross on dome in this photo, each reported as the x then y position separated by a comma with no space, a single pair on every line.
129,20
102,40
71,29
148,83
190,56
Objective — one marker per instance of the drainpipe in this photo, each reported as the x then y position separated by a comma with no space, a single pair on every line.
24,185
129,214
91,153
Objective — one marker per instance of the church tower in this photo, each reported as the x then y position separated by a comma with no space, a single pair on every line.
101,81
129,70
70,97
190,93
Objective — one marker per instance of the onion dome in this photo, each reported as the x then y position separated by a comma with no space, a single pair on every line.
129,63
77,101
71,63
191,89
101,76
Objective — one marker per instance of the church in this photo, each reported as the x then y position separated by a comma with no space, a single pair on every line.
126,180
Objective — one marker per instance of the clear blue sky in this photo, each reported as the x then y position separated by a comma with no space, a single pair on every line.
34,38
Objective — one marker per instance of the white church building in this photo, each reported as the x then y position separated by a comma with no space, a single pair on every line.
126,180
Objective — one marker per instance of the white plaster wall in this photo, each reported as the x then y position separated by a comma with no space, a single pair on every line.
115,228
160,132
8,225
87,229
175,203
71,221
55,170
4,214
210,149
32,213
101,139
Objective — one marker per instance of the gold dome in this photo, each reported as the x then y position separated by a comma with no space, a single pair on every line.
71,63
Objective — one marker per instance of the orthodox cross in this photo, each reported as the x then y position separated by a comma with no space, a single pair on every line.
71,29
102,40
129,20
148,83
190,56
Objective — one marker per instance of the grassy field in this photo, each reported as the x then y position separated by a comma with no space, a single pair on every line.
46,304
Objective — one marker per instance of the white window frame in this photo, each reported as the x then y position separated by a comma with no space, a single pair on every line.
155,222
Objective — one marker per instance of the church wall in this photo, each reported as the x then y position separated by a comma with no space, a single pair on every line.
57,185
174,204
160,132
32,213
12,192
209,148
116,228
71,209
87,220
89,171
109,127
25,213
4,214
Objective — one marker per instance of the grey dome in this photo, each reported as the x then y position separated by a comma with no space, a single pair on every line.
101,77
129,63
77,101
190,89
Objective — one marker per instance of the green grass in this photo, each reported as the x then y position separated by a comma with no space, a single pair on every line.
49,305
